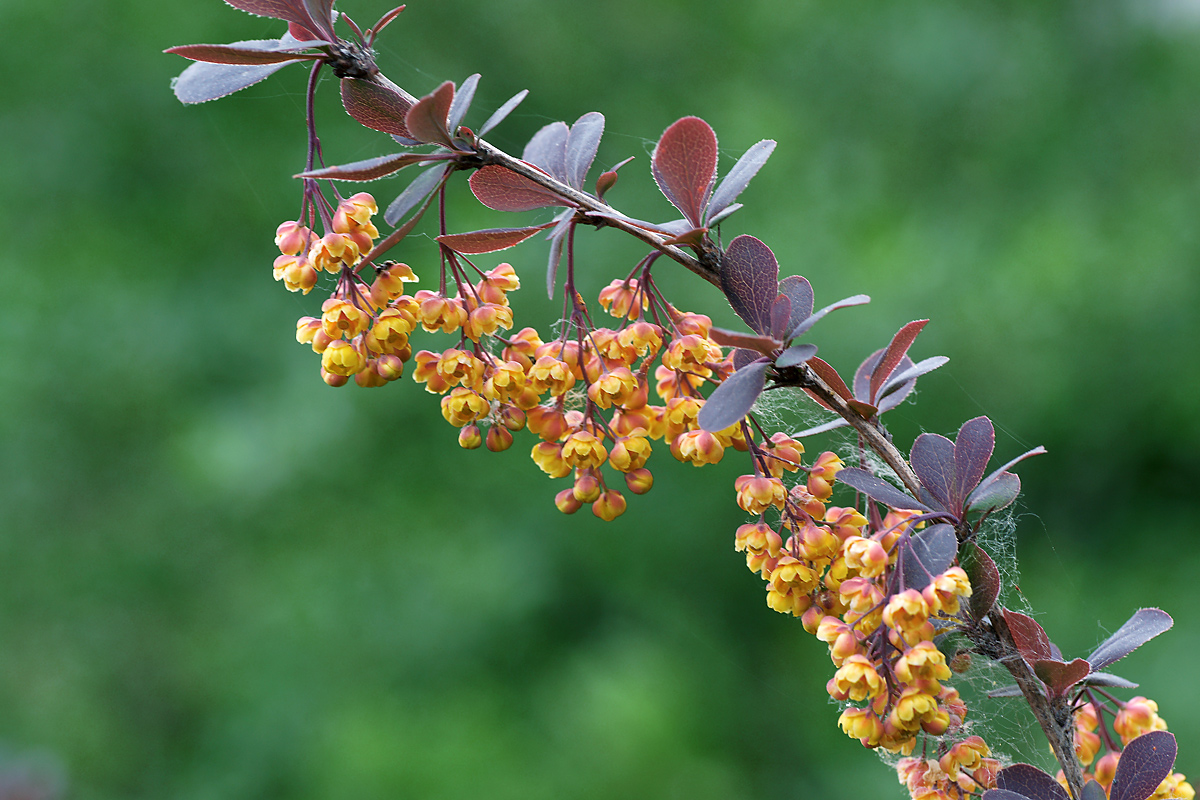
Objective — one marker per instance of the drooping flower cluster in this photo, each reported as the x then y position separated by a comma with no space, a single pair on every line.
1130,719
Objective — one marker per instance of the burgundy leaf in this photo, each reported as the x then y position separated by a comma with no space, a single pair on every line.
733,399
1139,629
1108,679
994,494
932,458
802,328
548,149
461,104
415,193
861,383
502,190
1060,676
1002,794
865,410
738,179
895,351
368,170
259,51
288,10
743,356
795,355
984,578
488,241
386,20
1145,763
202,82
503,111
972,450
879,490
582,144
929,553
321,13
684,165
426,121
1029,637
1029,781
765,345
750,280
781,314
800,292
831,378
375,106
1093,791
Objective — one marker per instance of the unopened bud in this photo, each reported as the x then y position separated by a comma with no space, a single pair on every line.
469,437
639,481
499,438
566,502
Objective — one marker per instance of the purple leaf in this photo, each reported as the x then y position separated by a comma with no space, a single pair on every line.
795,355
738,179
684,165
1029,781
802,328
781,314
503,111
929,553
907,375
502,190
1093,791
800,292
1002,794
287,10
1030,638
202,82
258,51
984,577
895,351
743,357
994,494
461,103
426,121
1145,763
1108,679
416,192
1060,676
824,427
750,280
764,345
831,378
558,238
368,170
1139,629
733,399
879,490
582,144
972,450
375,106
1011,690
321,13
932,458
723,215
1037,451
548,149
488,241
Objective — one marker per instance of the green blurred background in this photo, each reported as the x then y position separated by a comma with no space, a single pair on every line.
222,579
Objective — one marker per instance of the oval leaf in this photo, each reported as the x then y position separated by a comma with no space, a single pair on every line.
1002,794
503,111
1029,781
461,104
739,178
972,450
750,281
831,378
684,165
878,489
764,345
984,577
803,327
1139,629
202,81
582,144
502,190
929,554
415,193
994,494
893,353
800,292
375,106
260,51
904,379
1093,791
1145,763
548,149
733,399
426,121
1029,637
795,355
488,241
932,458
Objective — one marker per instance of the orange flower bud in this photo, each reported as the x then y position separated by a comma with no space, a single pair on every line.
566,501
609,505
639,481
587,486
499,438
469,437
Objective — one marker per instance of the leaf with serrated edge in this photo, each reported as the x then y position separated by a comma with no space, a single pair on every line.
892,354
879,489
795,355
1145,763
503,111
1108,679
750,281
490,240
830,375
1060,676
582,144
202,82
548,149
972,451
984,578
929,553
375,106
727,338
369,170
994,494
1029,781
1030,638
800,292
258,51
558,238
803,327
684,165
502,190
738,178
287,10
781,314
414,193
932,458
1137,630
733,399
461,103
426,121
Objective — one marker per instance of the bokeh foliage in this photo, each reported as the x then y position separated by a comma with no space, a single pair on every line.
223,579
